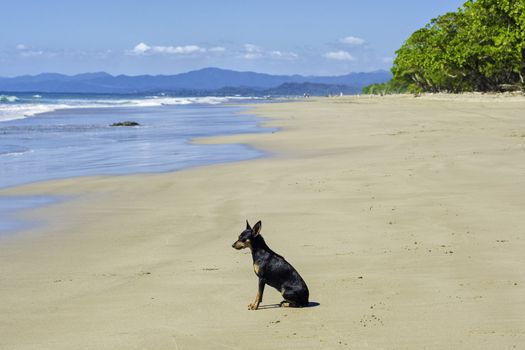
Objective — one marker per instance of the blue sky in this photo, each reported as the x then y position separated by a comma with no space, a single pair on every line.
328,37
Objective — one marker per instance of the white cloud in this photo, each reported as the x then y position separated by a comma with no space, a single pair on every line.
26,51
339,56
145,49
252,48
352,40
247,51
140,49
284,55
252,52
184,50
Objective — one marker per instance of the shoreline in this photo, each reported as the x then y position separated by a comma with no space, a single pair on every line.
403,215
159,145
10,223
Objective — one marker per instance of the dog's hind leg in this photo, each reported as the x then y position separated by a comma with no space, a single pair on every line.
291,299
258,297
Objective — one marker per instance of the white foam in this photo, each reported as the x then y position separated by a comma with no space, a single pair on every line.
6,98
21,111
12,111
171,101
15,153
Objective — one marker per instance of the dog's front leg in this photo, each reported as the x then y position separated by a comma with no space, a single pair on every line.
259,296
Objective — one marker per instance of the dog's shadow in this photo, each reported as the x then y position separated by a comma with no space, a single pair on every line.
278,306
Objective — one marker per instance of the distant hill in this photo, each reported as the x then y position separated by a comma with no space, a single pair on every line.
286,89
301,88
207,79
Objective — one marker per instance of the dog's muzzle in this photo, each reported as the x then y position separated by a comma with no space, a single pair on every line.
238,245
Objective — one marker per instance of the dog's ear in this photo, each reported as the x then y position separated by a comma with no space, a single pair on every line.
248,225
257,228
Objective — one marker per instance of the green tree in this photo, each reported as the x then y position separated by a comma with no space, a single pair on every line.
481,47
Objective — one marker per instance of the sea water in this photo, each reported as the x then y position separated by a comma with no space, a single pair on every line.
44,137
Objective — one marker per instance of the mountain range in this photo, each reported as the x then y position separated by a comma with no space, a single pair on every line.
203,81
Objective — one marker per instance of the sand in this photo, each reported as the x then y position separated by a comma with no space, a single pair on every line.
404,215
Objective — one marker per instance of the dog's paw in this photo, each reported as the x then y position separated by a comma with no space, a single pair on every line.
252,306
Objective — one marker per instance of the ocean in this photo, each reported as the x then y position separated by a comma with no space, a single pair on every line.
54,136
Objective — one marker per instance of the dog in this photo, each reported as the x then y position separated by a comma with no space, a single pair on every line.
272,269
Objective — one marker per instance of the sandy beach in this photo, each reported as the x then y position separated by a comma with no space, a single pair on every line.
404,215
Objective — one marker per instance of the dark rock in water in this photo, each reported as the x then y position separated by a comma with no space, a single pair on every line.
126,123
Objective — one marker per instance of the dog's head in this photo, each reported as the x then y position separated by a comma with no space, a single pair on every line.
246,236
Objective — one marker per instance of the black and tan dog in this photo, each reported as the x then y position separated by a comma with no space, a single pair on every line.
272,269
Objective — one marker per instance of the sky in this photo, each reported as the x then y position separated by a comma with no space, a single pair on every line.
308,37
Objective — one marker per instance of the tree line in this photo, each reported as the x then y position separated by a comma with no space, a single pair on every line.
480,47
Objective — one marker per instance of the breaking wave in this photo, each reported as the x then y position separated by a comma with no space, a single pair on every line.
7,99
13,107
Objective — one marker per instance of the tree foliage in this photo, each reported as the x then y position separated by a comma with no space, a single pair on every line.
481,47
